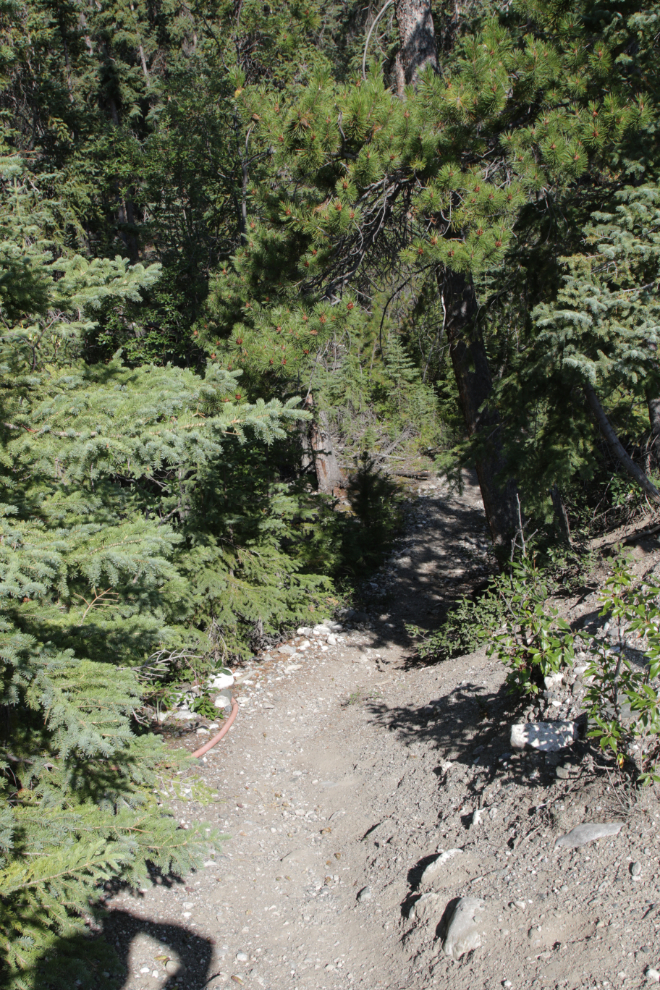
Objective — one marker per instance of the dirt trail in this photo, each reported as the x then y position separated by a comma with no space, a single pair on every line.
347,770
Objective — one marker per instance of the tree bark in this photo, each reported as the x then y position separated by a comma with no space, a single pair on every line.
318,443
328,473
561,515
470,364
417,34
617,447
654,419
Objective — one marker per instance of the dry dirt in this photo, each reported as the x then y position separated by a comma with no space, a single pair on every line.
350,768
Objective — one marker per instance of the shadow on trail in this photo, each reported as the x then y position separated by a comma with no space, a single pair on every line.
101,960
471,727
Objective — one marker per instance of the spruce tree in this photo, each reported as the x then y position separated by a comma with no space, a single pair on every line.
90,573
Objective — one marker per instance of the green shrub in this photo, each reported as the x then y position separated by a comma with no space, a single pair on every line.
623,700
468,624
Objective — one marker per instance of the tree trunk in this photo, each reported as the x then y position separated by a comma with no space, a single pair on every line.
318,443
328,473
654,419
561,515
617,447
417,34
470,364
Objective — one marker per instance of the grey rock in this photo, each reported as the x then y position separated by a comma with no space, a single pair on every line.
223,700
562,773
549,737
173,966
365,894
242,957
635,869
286,649
436,867
463,931
589,832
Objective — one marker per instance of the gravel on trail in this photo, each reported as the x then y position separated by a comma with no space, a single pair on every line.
365,793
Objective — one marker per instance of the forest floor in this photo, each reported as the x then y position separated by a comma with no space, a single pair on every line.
348,769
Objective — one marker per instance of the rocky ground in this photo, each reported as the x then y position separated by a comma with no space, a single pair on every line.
363,793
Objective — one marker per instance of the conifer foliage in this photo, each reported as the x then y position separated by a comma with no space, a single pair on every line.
90,577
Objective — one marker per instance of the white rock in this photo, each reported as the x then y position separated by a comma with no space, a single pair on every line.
304,645
652,975
286,649
223,701
320,630
553,681
332,640
202,732
463,931
549,737
220,681
476,818
582,834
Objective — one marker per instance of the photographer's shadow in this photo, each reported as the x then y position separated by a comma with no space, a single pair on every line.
181,959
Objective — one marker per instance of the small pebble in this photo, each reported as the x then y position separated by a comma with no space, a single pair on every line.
365,894
241,957
635,869
652,975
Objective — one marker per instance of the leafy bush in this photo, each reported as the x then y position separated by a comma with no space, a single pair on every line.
622,700
617,685
205,706
468,625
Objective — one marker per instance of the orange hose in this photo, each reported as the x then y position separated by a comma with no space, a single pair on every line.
223,731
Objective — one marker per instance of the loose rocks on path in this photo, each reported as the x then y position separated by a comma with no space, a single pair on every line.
346,786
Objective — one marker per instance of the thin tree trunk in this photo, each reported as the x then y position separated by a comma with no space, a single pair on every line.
561,515
470,364
417,34
328,473
654,419
617,447
318,443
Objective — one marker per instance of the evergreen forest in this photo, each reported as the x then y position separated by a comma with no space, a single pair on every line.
255,258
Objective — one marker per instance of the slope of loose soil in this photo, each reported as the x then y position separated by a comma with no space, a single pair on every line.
350,767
